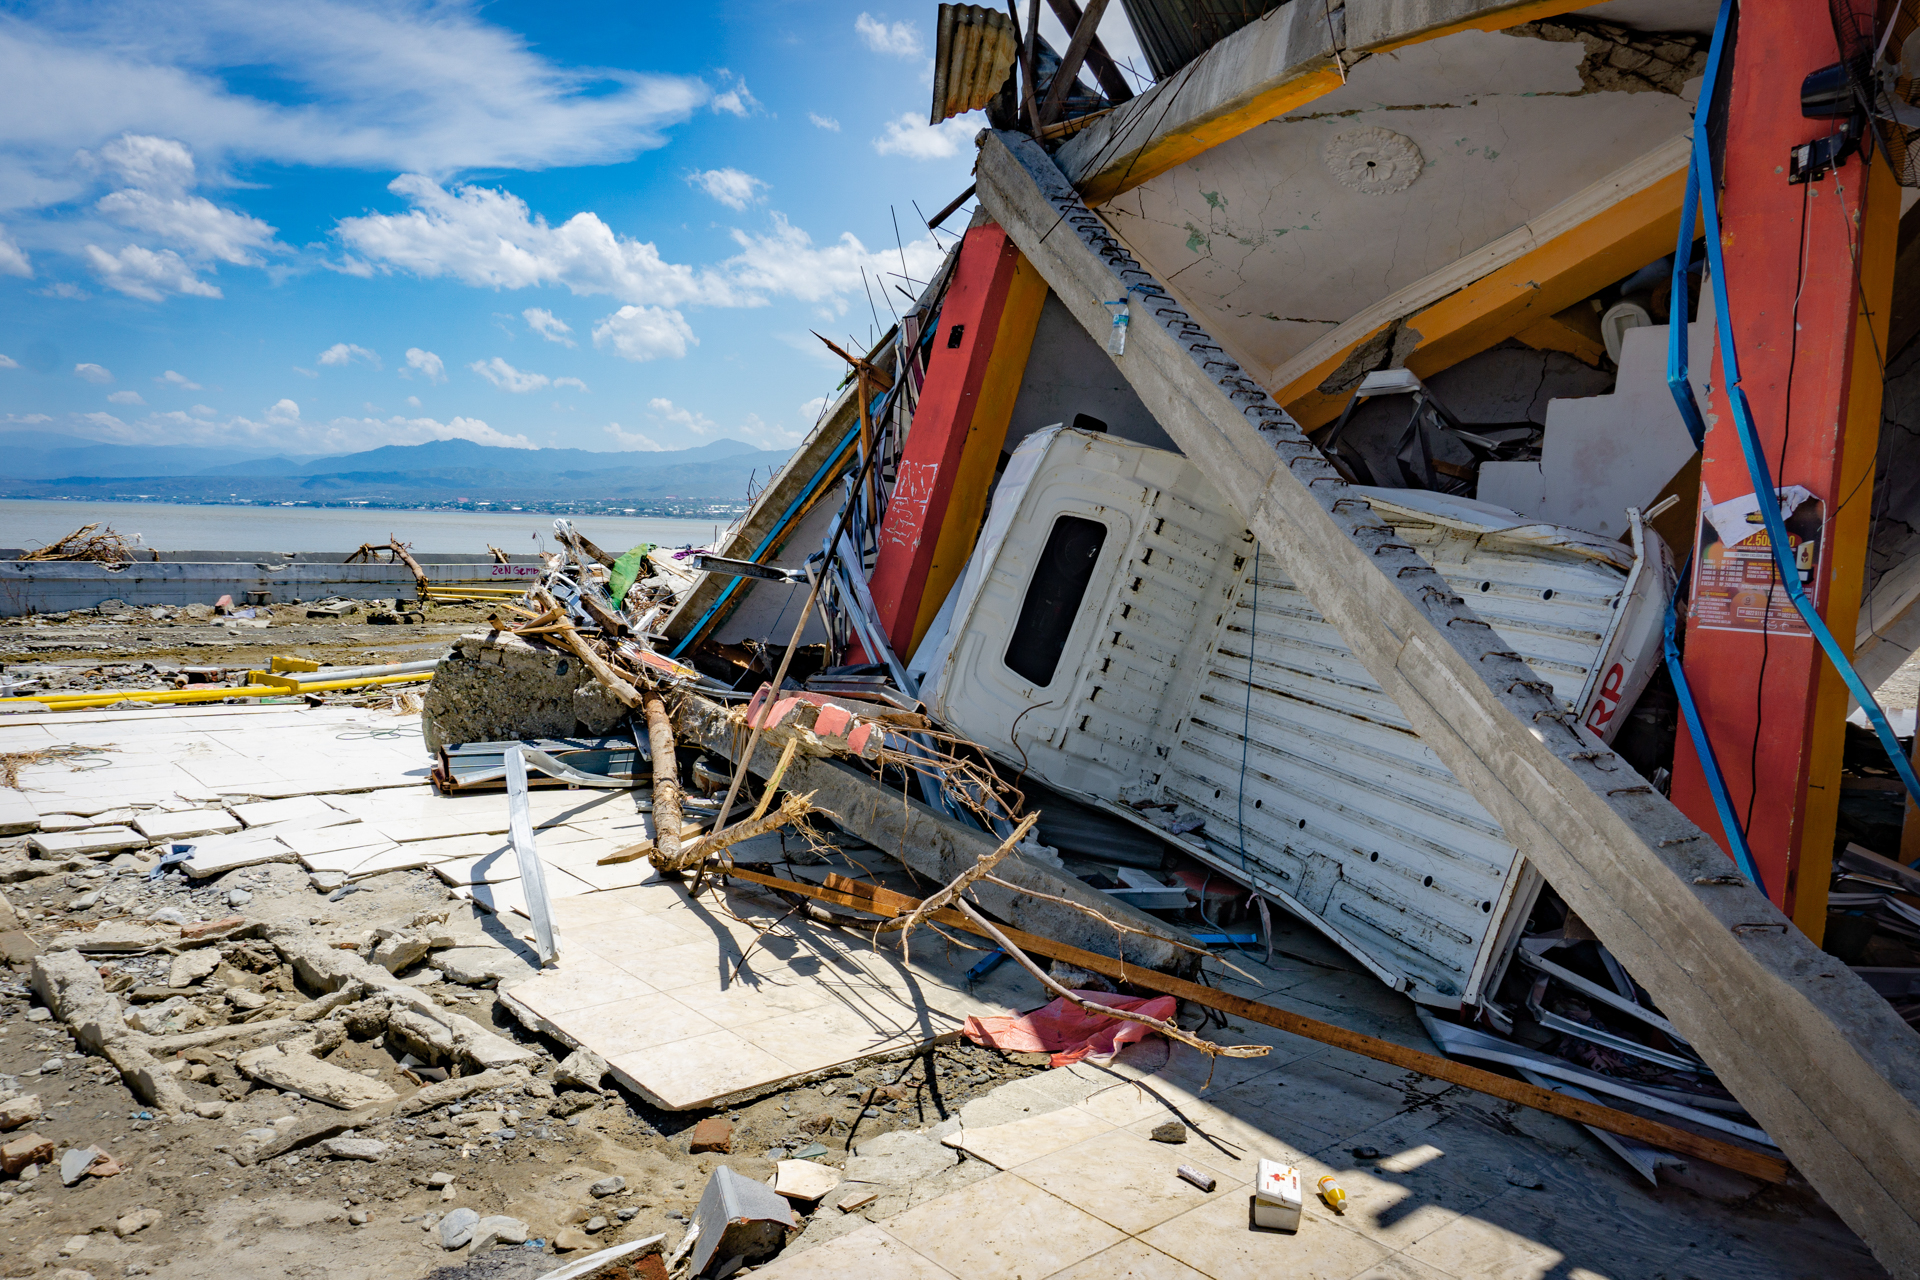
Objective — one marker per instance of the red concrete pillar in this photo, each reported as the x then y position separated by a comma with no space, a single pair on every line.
1773,707
979,356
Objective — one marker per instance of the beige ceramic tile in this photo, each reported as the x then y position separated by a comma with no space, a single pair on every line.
555,996
1006,1146
1003,1228
1220,1240
1129,1260
870,1253
690,1073
628,1025
1126,1180
1471,1246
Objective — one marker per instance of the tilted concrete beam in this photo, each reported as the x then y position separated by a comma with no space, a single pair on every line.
1265,69
1819,1058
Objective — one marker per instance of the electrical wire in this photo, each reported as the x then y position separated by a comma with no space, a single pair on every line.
1748,434
1786,433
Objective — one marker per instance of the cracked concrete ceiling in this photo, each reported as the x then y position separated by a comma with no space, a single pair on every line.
1273,249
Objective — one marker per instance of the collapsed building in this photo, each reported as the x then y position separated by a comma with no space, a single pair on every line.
1318,489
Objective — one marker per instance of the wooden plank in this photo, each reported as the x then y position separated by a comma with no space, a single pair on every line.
1820,1059
885,902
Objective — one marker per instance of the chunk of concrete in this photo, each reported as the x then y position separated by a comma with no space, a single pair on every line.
498,687
190,967
28,1148
484,966
354,1148
582,1069
497,1229
397,950
16,1112
457,1227
290,1066
899,1158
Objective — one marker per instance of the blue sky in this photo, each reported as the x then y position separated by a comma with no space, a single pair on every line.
321,226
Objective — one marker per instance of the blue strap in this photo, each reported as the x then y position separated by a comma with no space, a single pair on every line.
1757,469
1709,763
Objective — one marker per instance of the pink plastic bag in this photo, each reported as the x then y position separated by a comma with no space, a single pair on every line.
1069,1032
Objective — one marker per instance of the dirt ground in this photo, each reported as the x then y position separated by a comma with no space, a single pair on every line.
147,648
527,1151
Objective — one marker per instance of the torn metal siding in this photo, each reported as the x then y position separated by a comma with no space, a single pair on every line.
974,49
1198,675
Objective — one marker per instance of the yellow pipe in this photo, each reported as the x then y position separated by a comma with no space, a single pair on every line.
82,701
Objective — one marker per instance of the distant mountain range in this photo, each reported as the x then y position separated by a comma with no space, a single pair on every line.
43,465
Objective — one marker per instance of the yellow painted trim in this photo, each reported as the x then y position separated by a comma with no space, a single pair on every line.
1492,20
1575,331
1558,274
1173,149
1514,299
986,436
1176,147
1852,531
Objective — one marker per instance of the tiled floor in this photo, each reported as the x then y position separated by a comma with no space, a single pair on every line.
651,981
1083,1194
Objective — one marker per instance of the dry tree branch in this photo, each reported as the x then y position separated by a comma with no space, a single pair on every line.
1125,928
1168,1029
905,924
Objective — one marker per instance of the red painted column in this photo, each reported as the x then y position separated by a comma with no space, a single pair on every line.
945,423
1766,701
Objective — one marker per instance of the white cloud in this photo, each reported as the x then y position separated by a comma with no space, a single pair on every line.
283,413
358,85
631,439
570,382
642,333
430,366
177,379
898,39
143,273
734,98
8,362
345,353
544,323
824,122
911,136
13,262
92,373
125,397
484,236
489,238
731,187
507,378
698,423
788,262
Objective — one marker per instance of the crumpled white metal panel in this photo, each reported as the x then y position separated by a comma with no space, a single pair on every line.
1198,676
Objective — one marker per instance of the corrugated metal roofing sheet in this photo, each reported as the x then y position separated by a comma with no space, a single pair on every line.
1173,33
973,54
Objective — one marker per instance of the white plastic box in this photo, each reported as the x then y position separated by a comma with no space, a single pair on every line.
1276,1196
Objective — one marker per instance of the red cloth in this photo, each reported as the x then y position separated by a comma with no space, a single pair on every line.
1069,1032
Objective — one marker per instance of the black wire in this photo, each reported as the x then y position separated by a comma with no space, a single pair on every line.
1780,474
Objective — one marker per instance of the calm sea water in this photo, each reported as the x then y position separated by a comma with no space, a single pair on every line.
167,527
